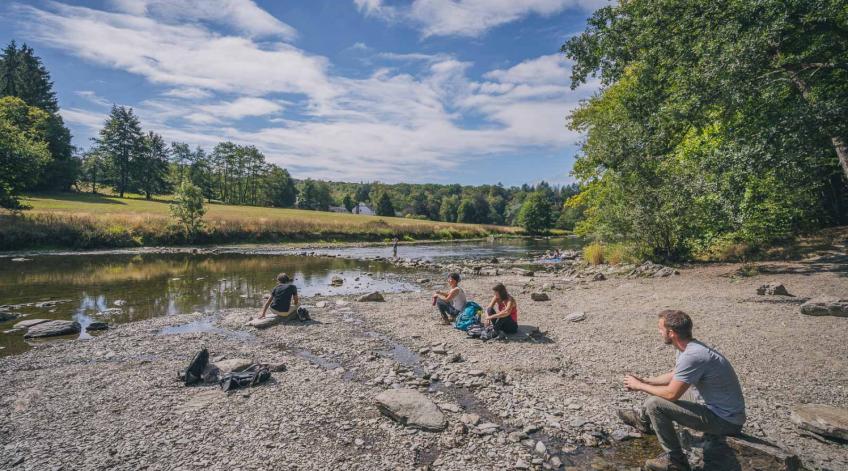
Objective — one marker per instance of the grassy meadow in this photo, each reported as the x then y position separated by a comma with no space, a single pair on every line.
85,221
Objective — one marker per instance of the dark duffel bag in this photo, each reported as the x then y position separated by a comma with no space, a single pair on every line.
194,373
253,375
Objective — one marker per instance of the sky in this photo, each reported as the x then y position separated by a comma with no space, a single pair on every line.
440,91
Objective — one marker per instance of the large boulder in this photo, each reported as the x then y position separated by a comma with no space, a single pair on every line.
825,307
372,297
539,297
411,408
7,316
825,420
52,329
773,289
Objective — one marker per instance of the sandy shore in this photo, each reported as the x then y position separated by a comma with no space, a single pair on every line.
113,402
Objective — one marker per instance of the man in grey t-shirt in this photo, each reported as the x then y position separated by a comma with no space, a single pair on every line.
699,367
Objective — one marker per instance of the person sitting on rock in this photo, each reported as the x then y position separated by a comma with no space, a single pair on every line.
504,319
451,302
280,302
698,366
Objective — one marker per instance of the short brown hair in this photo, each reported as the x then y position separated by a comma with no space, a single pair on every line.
454,276
500,289
283,278
677,321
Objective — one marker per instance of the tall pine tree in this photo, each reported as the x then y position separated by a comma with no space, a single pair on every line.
122,142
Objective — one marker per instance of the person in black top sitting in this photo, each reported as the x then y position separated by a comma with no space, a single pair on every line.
280,301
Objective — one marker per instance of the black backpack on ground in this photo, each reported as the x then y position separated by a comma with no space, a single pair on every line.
303,314
194,373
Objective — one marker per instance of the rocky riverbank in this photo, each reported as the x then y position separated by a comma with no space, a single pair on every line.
544,399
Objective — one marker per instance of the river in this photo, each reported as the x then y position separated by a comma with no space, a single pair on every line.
134,286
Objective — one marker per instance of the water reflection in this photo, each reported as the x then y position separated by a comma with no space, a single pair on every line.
124,288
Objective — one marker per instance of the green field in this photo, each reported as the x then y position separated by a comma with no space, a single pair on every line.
77,220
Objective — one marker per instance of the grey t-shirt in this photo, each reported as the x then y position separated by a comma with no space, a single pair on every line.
712,375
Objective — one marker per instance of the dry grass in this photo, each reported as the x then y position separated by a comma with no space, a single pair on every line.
91,221
594,253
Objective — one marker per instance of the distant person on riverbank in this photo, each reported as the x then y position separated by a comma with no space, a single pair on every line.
501,313
698,366
450,302
394,247
280,302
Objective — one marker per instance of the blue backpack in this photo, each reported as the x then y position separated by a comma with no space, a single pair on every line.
469,316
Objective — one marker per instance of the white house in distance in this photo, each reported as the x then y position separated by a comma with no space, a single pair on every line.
363,209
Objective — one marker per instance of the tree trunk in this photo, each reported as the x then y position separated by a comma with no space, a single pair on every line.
839,144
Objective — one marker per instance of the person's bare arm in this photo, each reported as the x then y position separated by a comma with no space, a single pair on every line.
661,380
505,312
671,391
296,299
265,308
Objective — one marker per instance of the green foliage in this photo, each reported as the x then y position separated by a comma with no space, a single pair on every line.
384,206
281,192
720,123
122,142
315,195
449,208
348,203
466,212
24,149
535,214
187,208
23,75
150,167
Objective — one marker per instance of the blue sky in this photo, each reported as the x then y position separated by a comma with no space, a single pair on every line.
446,91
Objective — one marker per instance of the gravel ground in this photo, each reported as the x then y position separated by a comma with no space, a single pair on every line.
113,402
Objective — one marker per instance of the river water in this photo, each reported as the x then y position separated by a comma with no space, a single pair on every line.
139,286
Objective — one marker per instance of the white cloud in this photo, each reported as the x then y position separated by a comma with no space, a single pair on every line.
242,15
469,17
185,55
92,97
391,126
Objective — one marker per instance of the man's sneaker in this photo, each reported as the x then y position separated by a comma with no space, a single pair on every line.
636,419
668,462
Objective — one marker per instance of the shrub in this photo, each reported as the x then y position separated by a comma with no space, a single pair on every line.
594,253
188,208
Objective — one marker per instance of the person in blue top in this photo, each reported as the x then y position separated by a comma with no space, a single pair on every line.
700,368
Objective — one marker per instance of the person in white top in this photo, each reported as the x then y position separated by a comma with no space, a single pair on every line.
452,302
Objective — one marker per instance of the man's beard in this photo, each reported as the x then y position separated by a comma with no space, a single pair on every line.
667,340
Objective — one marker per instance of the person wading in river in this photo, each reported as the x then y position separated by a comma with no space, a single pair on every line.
280,302
451,302
698,366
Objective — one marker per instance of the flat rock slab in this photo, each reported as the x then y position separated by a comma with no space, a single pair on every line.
411,408
372,297
29,323
264,322
576,316
52,329
233,364
822,419
825,307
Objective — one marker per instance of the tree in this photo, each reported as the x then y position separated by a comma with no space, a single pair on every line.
23,75
281,191
94,168
449,208
466,212
122,143
24,149
188,209
384,206
347,201
150,167
535,214
719,122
